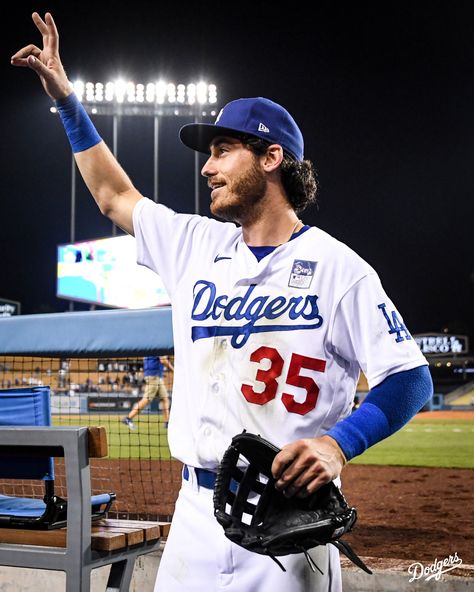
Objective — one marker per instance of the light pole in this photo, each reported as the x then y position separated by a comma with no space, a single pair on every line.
154,100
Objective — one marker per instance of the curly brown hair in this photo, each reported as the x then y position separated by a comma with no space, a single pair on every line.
298,177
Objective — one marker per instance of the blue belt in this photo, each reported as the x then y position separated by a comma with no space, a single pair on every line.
204,477
207,479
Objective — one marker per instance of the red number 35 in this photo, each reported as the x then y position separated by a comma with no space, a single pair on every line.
269,378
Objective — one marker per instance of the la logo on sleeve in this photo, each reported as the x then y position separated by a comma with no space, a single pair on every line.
302,273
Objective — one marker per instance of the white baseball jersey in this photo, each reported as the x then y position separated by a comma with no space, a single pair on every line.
274,347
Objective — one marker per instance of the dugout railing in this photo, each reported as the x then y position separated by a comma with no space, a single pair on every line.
93,363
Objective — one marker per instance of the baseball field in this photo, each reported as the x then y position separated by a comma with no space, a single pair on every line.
436,439
414,491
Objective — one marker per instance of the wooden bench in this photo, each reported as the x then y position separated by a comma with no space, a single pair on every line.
81,546
106,534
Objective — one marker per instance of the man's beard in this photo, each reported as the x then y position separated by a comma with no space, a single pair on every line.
247,191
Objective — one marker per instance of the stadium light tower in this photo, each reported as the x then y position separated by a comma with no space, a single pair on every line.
155,100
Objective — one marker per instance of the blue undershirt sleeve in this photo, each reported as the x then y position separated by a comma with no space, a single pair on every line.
387,408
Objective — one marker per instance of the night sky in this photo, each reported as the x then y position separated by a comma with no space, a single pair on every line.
383,92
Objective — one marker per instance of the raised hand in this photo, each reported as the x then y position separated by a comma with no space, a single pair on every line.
45,62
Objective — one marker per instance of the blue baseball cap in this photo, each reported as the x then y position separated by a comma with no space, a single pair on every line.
256,117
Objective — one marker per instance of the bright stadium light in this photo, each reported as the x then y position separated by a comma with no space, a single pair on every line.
120,90
79,88
131,92
191,93
150,92
181,93
201,93
212,93
121,97
109,91
160,92
90,95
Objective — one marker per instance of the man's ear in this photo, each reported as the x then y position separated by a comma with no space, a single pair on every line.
273,157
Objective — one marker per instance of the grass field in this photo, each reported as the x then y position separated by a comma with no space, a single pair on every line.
422,442
426,443
147,441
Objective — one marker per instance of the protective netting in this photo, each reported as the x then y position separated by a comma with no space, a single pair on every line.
102,391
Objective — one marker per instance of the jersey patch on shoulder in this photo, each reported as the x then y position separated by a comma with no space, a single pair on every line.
395,325
302,273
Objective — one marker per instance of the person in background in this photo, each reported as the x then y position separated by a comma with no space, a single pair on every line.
153,371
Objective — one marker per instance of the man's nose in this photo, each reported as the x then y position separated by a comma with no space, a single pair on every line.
209,168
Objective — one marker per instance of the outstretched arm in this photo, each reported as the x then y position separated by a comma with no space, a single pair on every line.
107,181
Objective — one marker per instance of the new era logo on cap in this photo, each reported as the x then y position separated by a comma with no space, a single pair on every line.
246,116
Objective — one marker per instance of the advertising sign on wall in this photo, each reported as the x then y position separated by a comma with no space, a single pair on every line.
442,344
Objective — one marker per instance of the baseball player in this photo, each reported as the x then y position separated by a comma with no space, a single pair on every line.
273,321
153,371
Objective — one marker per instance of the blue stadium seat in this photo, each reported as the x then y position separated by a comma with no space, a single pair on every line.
31,407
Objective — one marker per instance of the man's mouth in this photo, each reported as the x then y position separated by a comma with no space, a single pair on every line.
215,187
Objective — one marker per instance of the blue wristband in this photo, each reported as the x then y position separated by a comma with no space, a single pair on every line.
79,128
387,408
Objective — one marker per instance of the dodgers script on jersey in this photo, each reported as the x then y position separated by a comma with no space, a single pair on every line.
274,347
